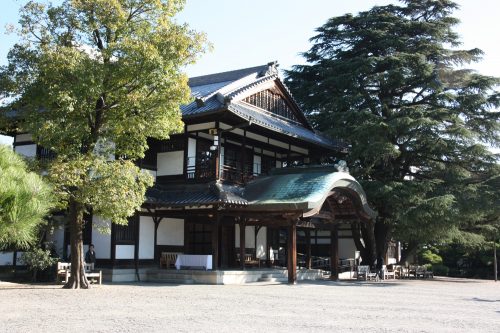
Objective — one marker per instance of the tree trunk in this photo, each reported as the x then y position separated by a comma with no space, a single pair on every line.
77,280
381,233
364,230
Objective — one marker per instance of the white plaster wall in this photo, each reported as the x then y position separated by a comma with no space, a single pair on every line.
202,126
346,248
171,232
101,241
26,150
221,160
170,163
257,164
191,152
6,258
249,236
124,251
261,243
146,237
278,164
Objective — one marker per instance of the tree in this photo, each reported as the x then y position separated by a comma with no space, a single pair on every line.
91,81
390,81
25,200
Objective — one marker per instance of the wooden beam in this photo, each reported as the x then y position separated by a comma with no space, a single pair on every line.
215,242
242,244
334,253
292,253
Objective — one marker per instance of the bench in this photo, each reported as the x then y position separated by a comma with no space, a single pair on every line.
168,259
64,272
93,274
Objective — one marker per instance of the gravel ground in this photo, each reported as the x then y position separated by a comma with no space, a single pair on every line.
439,305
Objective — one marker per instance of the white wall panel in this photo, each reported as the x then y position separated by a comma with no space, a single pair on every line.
171,232
249,236
257,165
101,241
202,126
261,243
26,150
146,237
124,251
170,163
6,258
346,248
191,153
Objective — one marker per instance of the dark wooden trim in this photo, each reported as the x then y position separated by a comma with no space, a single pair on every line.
242,244
215,241
23,143
170,178
292,253
334,253
113,243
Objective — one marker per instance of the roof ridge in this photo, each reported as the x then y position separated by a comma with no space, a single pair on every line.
232,75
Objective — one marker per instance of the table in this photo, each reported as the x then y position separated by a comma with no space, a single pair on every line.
194,260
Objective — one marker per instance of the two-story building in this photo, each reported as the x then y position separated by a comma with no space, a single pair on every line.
248,176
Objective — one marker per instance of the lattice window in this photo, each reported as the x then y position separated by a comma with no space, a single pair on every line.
272,102
174,144
125,234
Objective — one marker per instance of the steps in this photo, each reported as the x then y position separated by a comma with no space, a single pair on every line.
167,277
273,277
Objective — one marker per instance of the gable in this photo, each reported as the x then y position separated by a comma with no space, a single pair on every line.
273,97
271,100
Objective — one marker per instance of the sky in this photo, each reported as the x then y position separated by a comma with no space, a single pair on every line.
250,33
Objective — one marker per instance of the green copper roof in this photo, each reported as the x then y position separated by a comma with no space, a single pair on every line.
301,189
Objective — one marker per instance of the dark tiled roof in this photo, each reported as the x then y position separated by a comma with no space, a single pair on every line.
194,195
225,76
282,126
192,109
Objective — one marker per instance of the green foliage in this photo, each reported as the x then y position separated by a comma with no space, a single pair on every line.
430,257
114,189
38,259
25,200
440,270
391,81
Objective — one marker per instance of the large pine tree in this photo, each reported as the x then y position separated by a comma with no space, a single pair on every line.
391,81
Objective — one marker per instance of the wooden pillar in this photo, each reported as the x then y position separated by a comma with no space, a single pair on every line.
223,246
215,242
268,248
292,253
242,245
334,253
308,249
156,221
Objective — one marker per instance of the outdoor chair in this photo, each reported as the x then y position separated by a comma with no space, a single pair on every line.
168,259
389,272
422,272
364,273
